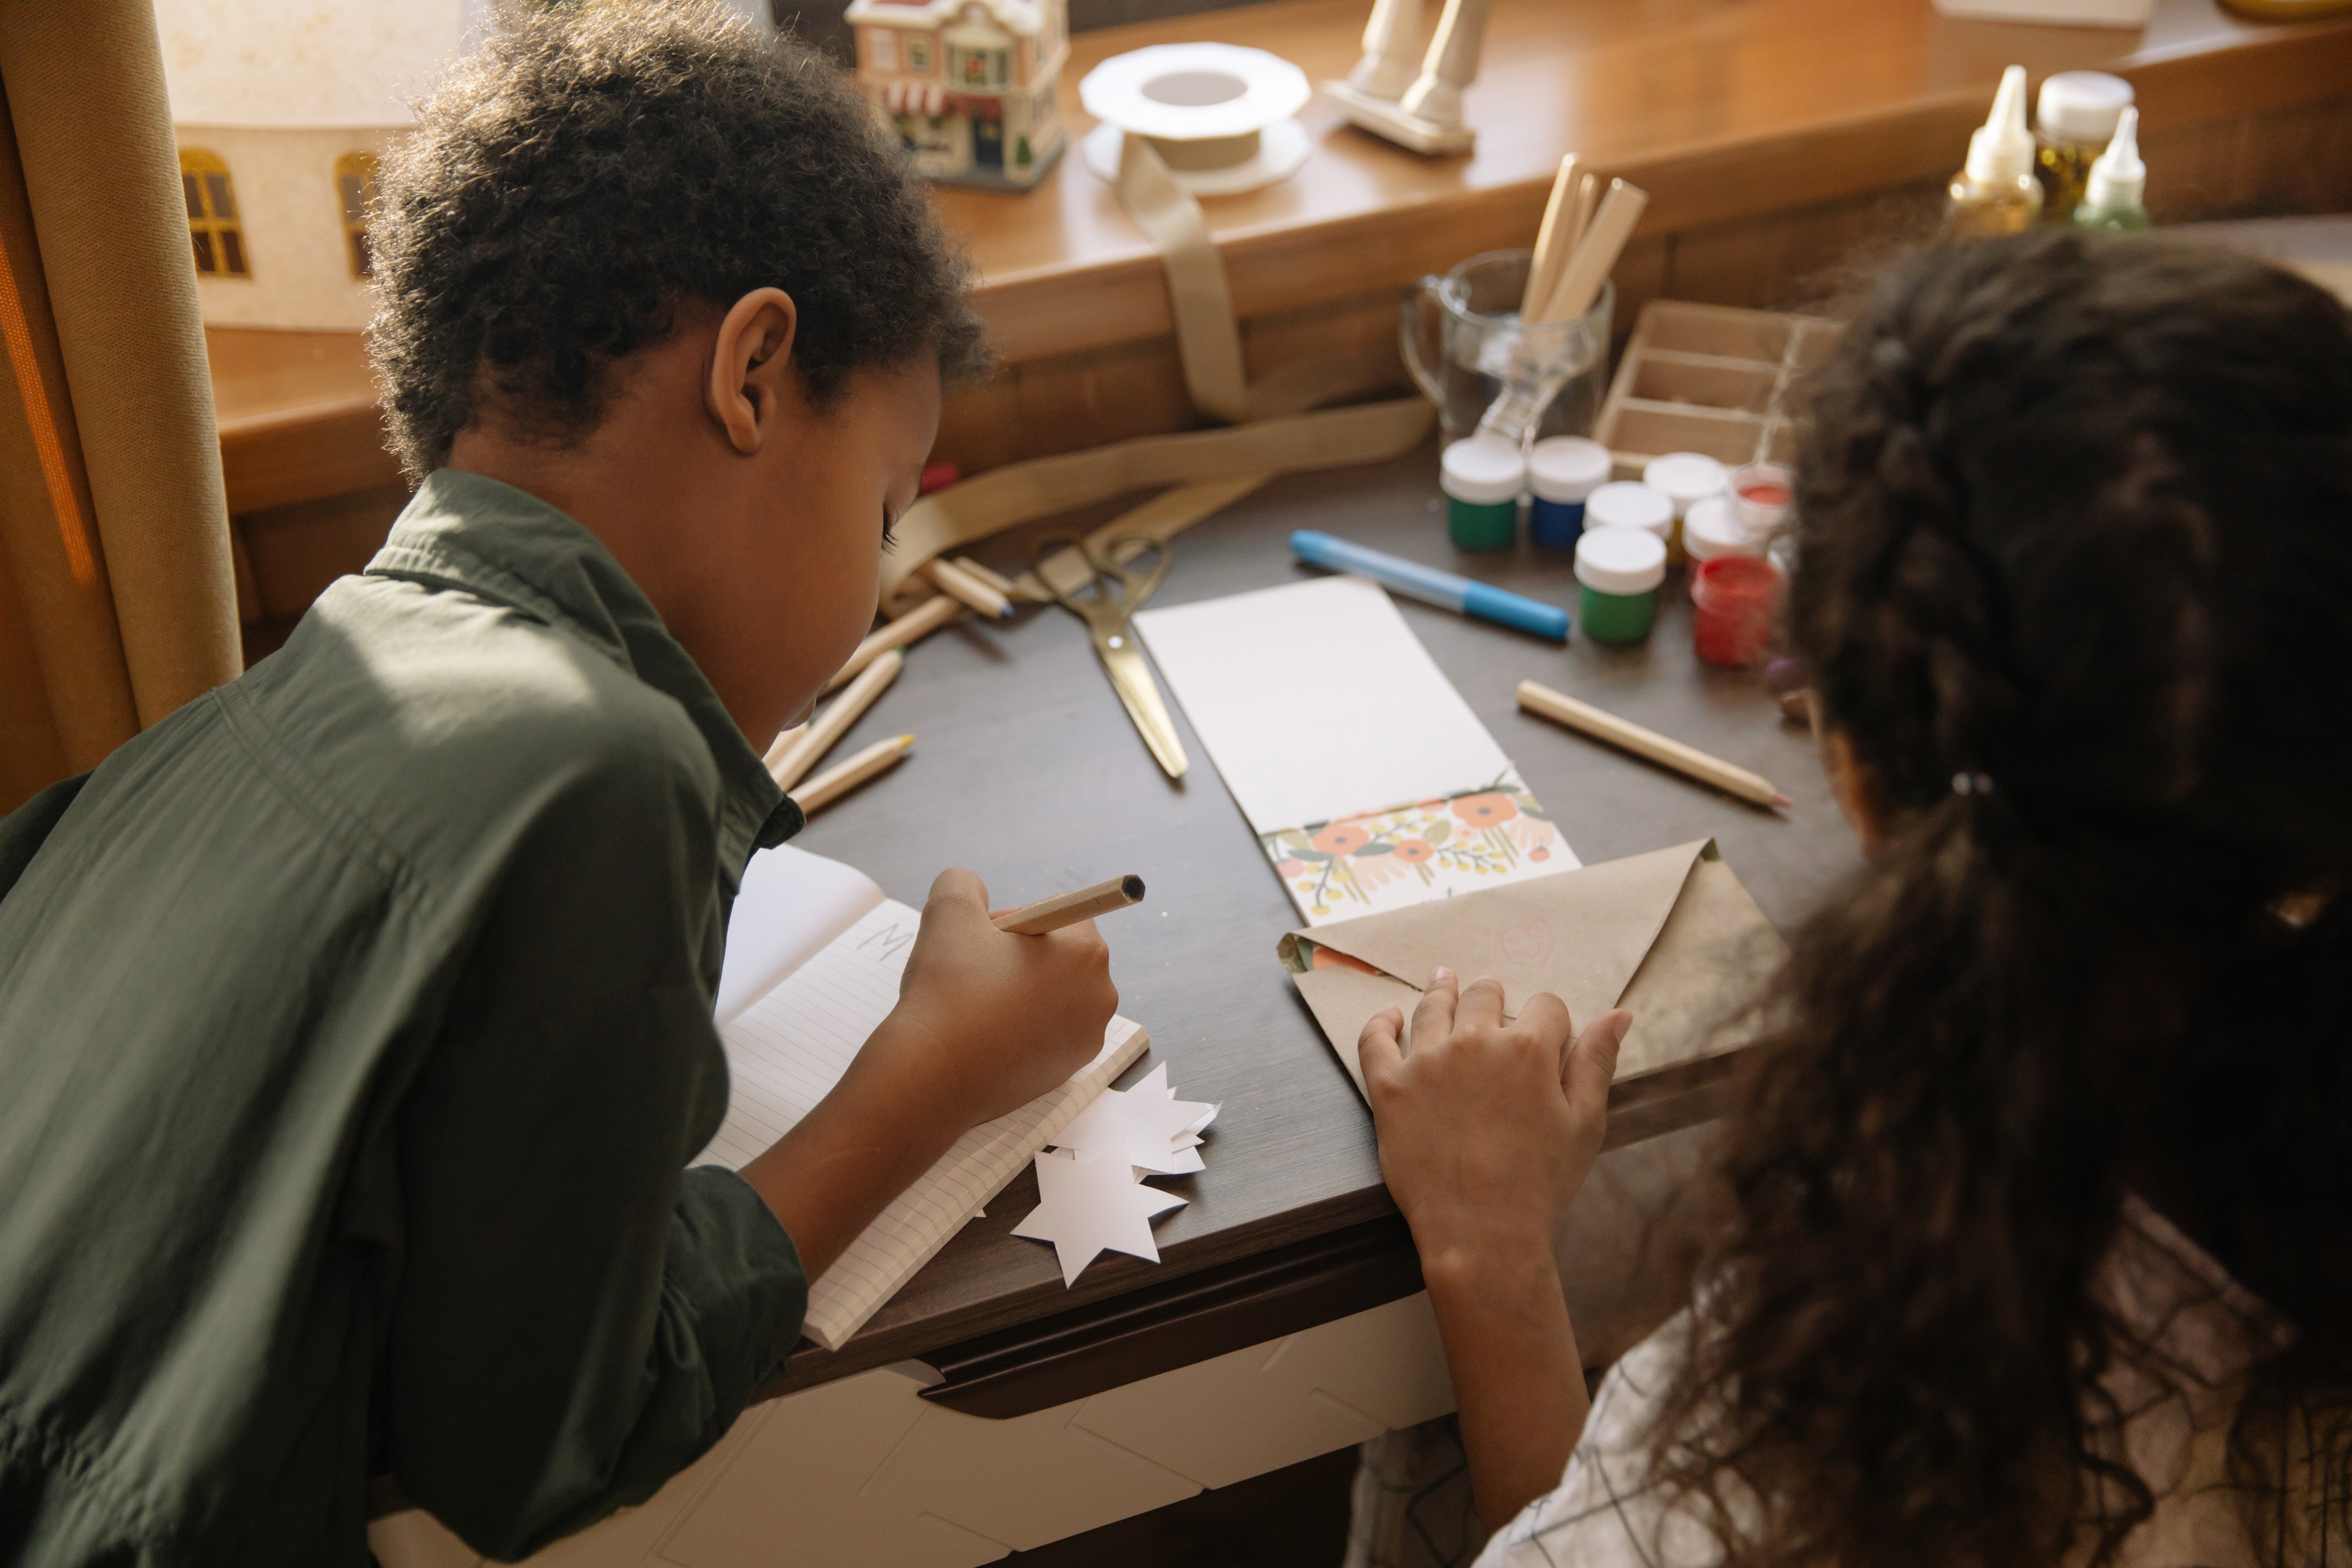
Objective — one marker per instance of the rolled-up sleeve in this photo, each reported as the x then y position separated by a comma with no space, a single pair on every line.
578,1316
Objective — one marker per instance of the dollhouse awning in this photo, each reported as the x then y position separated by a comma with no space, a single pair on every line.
915,98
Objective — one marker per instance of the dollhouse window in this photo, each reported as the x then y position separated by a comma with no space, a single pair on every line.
919,53
980,68
882,43
355,188
213,231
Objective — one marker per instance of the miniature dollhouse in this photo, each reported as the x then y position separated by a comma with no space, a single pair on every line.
969,85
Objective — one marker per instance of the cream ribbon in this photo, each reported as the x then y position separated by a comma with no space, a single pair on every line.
1200,471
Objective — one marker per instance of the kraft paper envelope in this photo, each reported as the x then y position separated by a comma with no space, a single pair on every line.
1670,936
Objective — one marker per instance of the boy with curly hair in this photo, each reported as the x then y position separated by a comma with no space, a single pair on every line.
358,1017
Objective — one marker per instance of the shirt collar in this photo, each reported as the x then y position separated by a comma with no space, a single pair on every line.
489,539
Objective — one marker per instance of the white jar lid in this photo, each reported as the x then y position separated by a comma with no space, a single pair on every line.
1620,560
2081,106
1627,503
1687,477
1567,468
1711,528
1483,470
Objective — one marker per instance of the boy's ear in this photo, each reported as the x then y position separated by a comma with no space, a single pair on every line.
750,359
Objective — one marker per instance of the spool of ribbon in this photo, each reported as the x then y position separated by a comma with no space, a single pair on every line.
1218,115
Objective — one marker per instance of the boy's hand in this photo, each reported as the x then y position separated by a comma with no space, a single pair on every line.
1488,1130
987,1022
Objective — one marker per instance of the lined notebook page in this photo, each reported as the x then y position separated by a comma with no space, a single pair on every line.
786,1052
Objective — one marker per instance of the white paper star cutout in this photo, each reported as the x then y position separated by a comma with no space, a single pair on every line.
1090,1207
1146,1127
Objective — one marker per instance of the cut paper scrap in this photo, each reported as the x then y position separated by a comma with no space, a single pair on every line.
1146,1127
1670,936
1093,1206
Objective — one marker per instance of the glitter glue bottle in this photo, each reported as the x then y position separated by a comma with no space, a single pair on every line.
1482,476
1561,472
2112,199
2074,118
1620,570
1996,193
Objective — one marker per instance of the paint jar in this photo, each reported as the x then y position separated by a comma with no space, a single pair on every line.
1561,472
1627,503
1620,570
1482,476
1684,478
2074,121
1734,595
1761,495
1712,530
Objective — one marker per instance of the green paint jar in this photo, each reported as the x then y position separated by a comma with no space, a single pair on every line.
1482,476
1620,570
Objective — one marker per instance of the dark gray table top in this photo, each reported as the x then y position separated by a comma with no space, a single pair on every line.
1027,769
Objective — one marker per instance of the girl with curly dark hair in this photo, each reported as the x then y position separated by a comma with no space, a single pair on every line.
2039,1241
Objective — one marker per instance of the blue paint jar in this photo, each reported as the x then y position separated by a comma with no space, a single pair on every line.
1561,472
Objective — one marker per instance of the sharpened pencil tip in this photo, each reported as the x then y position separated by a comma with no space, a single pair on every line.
1777,799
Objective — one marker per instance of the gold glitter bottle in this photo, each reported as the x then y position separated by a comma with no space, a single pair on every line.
2073,119
1996,193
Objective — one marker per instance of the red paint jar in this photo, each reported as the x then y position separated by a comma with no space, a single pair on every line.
1735,596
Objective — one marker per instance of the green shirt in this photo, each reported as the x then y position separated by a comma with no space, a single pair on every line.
355,1032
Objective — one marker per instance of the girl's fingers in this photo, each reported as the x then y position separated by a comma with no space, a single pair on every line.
1377,1050
1547,1016
1433,1020
1482,1004
1591,1064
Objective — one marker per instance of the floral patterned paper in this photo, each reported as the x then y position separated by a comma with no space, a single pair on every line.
1411,854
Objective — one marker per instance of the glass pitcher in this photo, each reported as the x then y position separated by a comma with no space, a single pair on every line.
1463,341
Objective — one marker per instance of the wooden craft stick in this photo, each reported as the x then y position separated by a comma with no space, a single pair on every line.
1596,252
840,779
993,578
919,622
1555,238
1588,198
951,578
1586,720
1070,908
820,732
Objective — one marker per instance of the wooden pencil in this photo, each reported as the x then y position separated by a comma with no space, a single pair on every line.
840,779
919,622
951,578
1586,720
827,728
782,744
1555,238
990,575
1070,908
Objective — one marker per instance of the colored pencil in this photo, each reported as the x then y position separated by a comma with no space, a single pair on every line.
1070,908
840,779
919,622
1585,719
827,728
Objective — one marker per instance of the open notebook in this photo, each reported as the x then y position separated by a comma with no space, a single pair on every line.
813,956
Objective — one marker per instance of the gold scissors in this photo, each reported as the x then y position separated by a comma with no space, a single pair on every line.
1106,602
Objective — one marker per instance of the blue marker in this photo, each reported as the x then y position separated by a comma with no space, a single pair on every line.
1430,586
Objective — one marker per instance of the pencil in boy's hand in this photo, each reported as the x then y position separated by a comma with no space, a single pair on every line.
1585,719
919,622
819,735
951,578
1070,908
840,779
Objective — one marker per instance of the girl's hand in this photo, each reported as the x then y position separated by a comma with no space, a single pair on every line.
1488,1130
